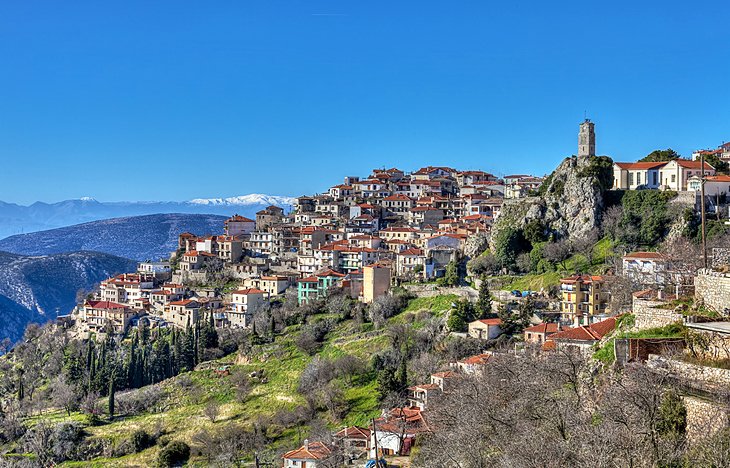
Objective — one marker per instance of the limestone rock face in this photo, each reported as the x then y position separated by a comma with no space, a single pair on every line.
571,205
476,244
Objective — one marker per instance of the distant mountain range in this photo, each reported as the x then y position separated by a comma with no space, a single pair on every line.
37,289
149,237
19,219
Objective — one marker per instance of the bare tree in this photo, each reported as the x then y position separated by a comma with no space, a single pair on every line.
528,410
611,221
211,410
64,394
558,252
585,245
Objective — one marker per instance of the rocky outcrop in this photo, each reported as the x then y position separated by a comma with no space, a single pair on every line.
571,200
476,244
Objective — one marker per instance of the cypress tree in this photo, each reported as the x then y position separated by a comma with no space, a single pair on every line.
21,389
197,349
484,302
132,366
112,388
92,373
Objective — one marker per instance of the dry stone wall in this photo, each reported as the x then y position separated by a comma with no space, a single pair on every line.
704,417
649,314
713,289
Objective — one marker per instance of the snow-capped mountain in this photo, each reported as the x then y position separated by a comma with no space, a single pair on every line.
244,200
19,219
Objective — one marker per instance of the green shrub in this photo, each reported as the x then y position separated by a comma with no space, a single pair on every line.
141,440
175,453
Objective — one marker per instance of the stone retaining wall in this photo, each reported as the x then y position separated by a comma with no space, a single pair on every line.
720,257
713,289
649,315
704,417
700,377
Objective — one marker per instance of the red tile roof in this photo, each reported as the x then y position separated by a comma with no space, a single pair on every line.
687,164
582,278
593,332
239,219
354,432
543,328
185,302
312,451
490,322
644,255
476,360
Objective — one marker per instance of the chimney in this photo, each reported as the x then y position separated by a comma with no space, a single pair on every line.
660,294
306,444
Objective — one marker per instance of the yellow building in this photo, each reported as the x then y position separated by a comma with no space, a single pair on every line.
583,297
376,282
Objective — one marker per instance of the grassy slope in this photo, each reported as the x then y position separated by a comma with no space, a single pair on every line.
283,363
578,262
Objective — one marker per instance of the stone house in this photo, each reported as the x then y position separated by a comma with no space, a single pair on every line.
485,329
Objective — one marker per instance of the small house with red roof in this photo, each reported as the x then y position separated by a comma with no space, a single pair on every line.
485,329
353,439
539,333
182,313
396,431
473,364
581,338
715,186
645,268
307,456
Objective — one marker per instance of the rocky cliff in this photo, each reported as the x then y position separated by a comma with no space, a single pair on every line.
569,203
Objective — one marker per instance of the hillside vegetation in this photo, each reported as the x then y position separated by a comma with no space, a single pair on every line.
331,369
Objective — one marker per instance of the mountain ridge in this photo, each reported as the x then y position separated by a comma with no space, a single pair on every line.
39,288
40,216
147,237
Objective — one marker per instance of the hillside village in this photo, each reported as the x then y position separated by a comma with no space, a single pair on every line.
393,238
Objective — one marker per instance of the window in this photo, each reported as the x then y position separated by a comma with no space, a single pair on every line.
631,178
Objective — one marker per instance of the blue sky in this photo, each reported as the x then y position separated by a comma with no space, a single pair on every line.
177,100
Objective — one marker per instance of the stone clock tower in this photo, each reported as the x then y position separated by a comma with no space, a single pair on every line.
586,139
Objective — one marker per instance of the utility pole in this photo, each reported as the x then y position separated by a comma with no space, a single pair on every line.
375,442
702,208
